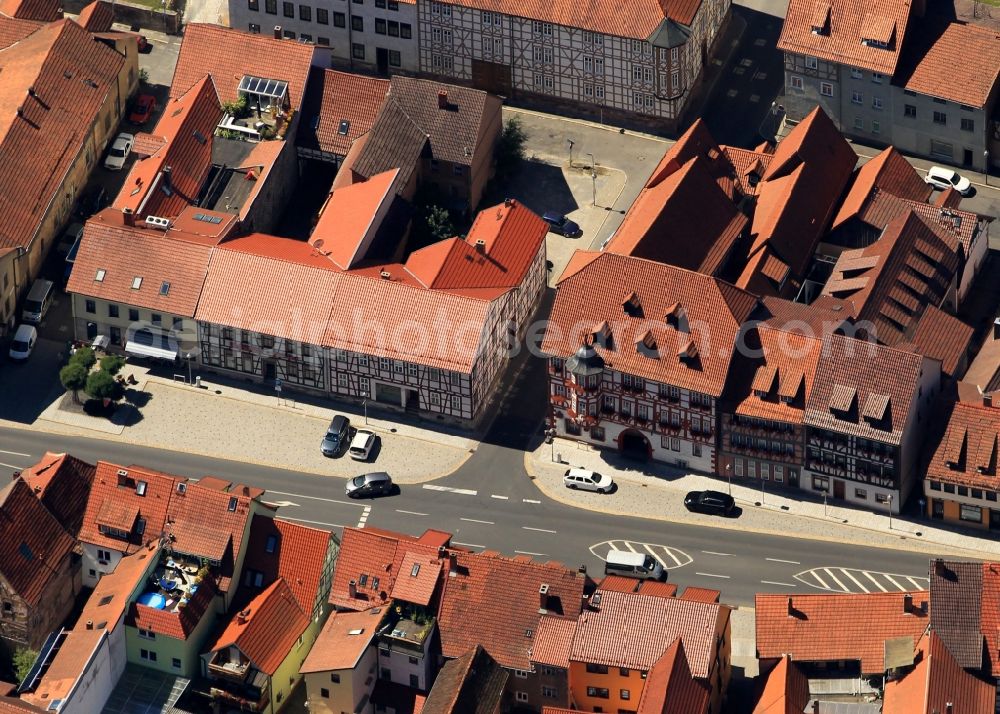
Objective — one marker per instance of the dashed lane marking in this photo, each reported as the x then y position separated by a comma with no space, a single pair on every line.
713,575
781,560
530,500
528,552
449,489
779,584
502,498
410,513
313,523
712,552
540,530
15,453
476,520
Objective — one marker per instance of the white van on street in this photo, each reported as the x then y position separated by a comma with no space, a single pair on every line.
634,565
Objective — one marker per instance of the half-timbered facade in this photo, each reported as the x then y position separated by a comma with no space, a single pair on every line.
643,61
639,353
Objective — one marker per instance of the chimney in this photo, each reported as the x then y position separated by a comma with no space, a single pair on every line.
791,608
277,32
385,275
508,202
582,569
543,597
939,568
907,603
167,170
443,99
128,216
987,399
996,329
452,562
352,589
90,624
480,246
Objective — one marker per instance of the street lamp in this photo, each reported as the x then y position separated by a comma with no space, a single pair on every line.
364,403
571,143
188,356
890,511
729,477
593,177
550,434
986,166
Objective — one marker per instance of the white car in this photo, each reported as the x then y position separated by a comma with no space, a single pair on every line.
941,178
361,444
119,151
588,481
24,342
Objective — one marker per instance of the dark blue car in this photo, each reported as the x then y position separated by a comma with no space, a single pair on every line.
558,223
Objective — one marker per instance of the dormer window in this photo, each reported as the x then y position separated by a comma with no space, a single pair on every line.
632,306
878,31
820,23
602,336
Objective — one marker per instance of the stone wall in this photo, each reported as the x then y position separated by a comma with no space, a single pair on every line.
136,16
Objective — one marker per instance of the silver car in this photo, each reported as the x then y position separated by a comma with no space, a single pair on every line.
119,152
370,485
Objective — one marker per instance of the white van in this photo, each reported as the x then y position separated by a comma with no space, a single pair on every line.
38,301
634,565
361,444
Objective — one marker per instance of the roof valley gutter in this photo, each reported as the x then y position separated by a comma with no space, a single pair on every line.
149,192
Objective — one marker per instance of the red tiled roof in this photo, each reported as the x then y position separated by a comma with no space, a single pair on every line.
890,172
670,688
13,705
228,55
938,684
34,547
950,223
990,616
267,629
749,167
967,455
147,144
12,30
824,628
700,594
942,337
62,482
343,640
594,290
417,578
301,555
178,624
125,253
956,589
472,683
188,124
332,98
554,640
784,690
208,523
38,10
928,64
852,25
349,219
823,316
97,16
366,556
491,599
38,145
891,282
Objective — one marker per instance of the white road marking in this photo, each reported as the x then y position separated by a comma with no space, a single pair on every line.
668,557
314,523
468,545
476,520
712,552
713,575
410,513
834,578
11,466
629,546
449,489
898,586
916,585
775,582
314,498
364,517
540,530
15,453
856,581
502,498
780,560
528,552
279,504
877,583
821,581
530,500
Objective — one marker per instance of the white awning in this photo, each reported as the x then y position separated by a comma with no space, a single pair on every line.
141,350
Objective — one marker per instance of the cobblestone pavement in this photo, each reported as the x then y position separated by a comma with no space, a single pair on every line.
657,491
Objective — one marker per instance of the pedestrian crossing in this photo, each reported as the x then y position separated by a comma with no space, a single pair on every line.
669,558
855,580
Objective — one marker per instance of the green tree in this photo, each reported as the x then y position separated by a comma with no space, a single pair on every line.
74,377
23,659
438,223
102,385
510,148
112,364
84,356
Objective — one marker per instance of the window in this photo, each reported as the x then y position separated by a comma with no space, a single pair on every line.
393,28
112,310
859,123
779,473
323,41
357,51
968,124
935,485
116,335
977,493
861,494
940,118
339,19
857,98
795,82
322,16
393,6
963,490
826,89
288,9
812,63
289,34
973,514
939,101
876,126
324,692
821,483
599,90
949,488
881,498
877,77
271,544
90,306
910,111
696,449
414,681
877,103
147,655
358,25
414,660
625,694
521,696
254,5
147,634
675,444
991,496
596,668
175,662
597,692
856,73
305,13
271,7
549,692
380,29
599,71
405,31
395,59
521,673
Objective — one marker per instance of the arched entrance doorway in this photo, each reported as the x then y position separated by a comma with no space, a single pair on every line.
633,443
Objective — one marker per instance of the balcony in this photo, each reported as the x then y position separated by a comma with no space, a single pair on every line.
253,696
224,667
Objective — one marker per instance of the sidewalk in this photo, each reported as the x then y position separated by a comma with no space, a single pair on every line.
226,420
657,491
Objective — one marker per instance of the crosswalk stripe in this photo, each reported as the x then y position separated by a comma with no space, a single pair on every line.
821,581
916,585
629,546
650,551
895,584
856,581
834,578
877,583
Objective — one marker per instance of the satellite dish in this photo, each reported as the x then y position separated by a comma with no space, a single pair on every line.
318,243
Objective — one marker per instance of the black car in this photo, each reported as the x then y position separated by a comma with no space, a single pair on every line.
370,485
558,223
711,502
93,201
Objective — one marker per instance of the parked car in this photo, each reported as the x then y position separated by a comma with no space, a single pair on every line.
941,178
23,343
588,481
143,44
558,223
336,435
370,485
362,444
92,201
710,502
119,152
143,109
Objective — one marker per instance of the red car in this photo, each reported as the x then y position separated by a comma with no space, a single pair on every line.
143,109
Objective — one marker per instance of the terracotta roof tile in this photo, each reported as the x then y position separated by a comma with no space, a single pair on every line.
942,337
300,554
228,55
209,524
13,705
147,144
952,224
38,146
34,547
125,253
38,10
990,617
13,30
267,629
62,482
598,637
670,688
784,690
847,39
418,577
890,172
956,589
938,684
472,683
928,63
495,600
553,641
749,167
821,628
332,98
791,360
823,316
346,225
343,640
97,16
700,594
595,292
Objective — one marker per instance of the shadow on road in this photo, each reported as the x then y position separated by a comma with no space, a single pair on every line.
538,185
